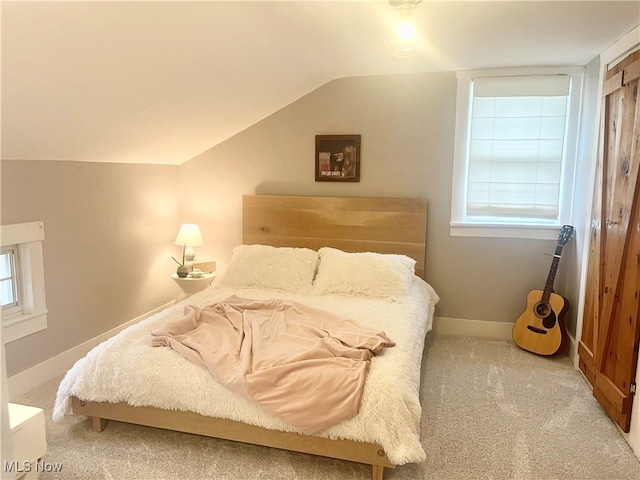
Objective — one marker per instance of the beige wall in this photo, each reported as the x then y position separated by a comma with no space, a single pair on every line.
109,232
110,227
407,128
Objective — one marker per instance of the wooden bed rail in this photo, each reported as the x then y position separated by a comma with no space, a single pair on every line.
190,422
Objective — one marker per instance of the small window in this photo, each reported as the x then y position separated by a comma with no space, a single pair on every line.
9,292
515,152
22,292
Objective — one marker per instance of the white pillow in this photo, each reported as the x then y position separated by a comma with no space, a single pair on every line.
263,266
363,274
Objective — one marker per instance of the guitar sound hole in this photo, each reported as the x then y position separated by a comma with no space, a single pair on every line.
543,309
548,316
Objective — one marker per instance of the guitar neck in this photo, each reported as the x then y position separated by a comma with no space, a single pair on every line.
548,287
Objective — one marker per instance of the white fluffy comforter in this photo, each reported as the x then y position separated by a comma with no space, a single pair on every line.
126,368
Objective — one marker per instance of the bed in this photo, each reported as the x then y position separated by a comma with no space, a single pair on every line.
124,379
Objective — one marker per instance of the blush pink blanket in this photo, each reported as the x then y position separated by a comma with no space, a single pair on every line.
304,365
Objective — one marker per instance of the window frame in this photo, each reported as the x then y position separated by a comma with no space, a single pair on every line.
29,263
460,224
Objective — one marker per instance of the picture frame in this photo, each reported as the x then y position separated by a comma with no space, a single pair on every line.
337,158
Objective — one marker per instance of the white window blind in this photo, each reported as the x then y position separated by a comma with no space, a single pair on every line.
516,145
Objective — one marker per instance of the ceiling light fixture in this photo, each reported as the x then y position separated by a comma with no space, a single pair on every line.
406,31
407,42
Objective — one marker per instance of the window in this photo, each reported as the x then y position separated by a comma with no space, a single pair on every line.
22,291
9,295
515,152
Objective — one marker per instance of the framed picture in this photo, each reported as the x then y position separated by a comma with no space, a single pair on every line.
337,158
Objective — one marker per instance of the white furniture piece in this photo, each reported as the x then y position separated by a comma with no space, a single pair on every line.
191,285
29,440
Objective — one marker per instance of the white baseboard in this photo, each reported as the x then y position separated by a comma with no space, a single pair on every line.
573,351
486,328
37,375
472,328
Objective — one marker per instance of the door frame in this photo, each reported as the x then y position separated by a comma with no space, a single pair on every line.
615,53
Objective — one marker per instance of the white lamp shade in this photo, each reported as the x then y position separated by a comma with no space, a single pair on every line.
189,234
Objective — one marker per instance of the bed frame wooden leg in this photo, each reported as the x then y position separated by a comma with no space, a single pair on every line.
99,424
378,472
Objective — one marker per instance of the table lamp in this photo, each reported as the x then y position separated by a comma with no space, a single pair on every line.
189,236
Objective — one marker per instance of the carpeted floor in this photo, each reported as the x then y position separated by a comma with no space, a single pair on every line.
490,411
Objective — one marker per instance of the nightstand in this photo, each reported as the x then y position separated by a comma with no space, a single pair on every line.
29,441
191,285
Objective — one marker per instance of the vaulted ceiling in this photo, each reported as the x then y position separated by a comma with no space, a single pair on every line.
161,82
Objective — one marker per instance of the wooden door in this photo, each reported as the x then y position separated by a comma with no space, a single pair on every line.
608,348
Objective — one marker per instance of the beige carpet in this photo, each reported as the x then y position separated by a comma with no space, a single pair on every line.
490,411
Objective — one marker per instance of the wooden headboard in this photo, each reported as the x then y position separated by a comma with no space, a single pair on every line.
381,225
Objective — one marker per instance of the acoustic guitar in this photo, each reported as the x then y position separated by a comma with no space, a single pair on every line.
540,329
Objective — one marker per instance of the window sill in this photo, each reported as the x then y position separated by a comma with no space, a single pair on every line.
22,325
496,230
